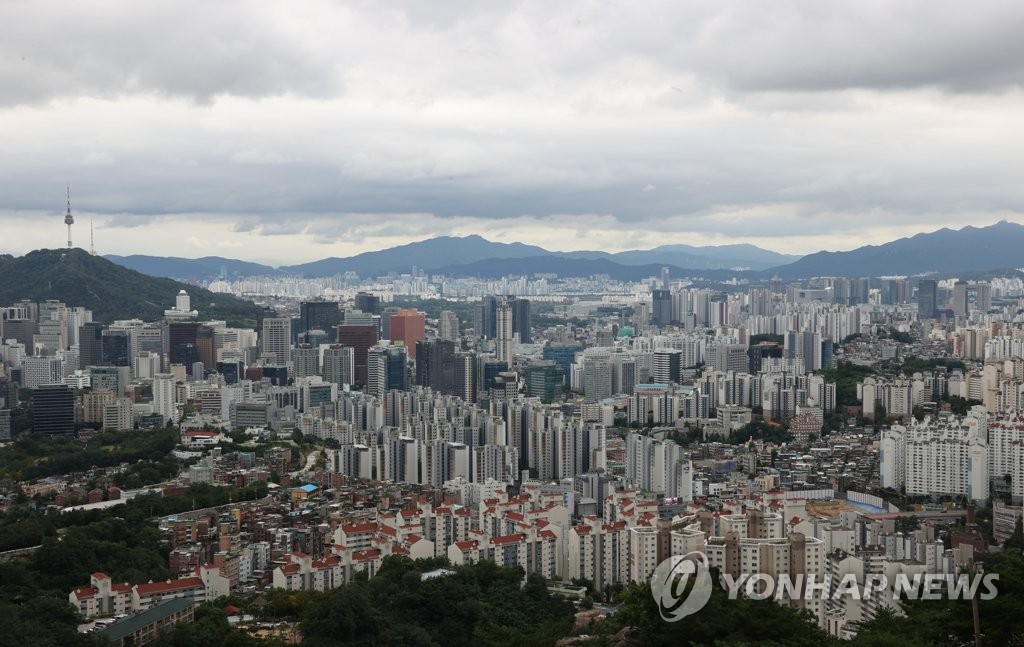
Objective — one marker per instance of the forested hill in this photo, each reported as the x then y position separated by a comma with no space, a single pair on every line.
109,290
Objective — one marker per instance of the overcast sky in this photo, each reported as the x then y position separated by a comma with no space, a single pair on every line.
286,132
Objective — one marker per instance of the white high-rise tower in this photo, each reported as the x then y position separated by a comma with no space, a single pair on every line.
503,341
68,219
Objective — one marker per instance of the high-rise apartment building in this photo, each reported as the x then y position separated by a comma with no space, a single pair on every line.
305,361
339,365
163,396
503,333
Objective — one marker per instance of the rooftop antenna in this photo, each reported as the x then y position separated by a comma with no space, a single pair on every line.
68,219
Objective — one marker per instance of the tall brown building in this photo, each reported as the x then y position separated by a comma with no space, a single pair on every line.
407,326
360,338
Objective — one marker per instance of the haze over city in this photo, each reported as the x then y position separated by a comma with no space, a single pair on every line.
283,133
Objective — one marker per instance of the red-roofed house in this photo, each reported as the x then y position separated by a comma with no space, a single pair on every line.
103,598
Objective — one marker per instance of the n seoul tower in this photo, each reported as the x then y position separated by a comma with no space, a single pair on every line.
68,219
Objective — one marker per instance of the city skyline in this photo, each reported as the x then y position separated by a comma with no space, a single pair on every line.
337,129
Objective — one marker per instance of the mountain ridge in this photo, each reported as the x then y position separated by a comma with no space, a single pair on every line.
968,249
111,291
944,250
445,251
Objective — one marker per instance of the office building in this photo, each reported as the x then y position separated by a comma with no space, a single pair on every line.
320,315
386,369
53,410
116,348
368,302
38,370
275,339
485,323
521,319
435,366
448,326
666,366
928,299
6,430
90,344
181,340
360,338
407,327
661,307
971,296
563,354
544,380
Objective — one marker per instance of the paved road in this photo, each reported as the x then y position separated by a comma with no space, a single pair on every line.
310,462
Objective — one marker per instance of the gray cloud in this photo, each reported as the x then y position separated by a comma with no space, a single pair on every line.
572,125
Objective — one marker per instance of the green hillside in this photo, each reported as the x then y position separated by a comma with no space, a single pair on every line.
109,290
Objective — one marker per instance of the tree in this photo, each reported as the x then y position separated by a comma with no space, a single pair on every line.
1016,540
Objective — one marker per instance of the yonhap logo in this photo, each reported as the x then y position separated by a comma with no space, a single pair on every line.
681,586
669,585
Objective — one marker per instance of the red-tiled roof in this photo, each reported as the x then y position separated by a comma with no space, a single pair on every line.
508,539
466,545
327,562
355,528
166,587
85,593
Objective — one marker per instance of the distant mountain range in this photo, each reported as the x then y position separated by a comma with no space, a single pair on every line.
443,252
191,268
111,291
970,249
946,251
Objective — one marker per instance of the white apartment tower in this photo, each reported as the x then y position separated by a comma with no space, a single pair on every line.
504,341
163,396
